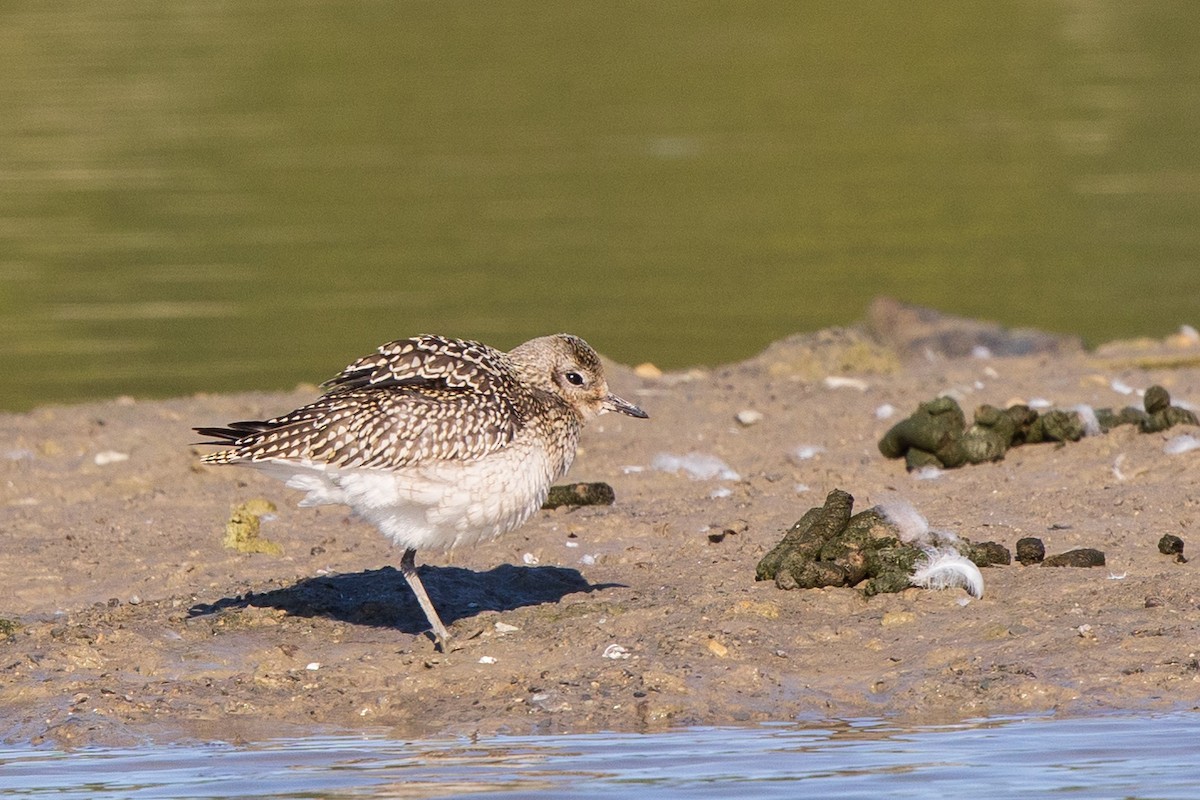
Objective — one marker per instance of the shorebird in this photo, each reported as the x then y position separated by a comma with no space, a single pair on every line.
439,442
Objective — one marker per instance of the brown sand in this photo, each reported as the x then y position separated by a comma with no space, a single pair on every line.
136,623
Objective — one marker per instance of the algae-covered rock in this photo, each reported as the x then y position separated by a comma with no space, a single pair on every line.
890,568
1030,550
1023,417
8,627
934,429
1160,414
1129,415
986,554
829,546
580,494
1056,425
989,438
242,529
935,435
1156,399
1083,557
802,543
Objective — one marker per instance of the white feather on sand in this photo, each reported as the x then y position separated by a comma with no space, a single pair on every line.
914,528
1091,423
944,569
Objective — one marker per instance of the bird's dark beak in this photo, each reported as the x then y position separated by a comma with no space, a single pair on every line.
614,403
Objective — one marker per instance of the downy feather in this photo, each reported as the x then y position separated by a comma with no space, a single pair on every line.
943,569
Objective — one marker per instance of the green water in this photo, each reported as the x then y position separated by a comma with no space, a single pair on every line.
214,195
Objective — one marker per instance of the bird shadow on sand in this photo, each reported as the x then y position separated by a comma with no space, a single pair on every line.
382,597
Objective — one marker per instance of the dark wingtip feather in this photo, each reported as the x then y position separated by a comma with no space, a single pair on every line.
231,432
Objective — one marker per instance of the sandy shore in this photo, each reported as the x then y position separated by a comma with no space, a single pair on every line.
133,621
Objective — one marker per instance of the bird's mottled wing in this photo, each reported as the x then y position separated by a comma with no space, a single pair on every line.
385,428
430,361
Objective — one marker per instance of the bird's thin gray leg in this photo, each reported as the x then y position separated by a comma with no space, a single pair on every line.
408,566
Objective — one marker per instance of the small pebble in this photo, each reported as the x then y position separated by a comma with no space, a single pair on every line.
805,452
1170,544
748,416
647,370
840,382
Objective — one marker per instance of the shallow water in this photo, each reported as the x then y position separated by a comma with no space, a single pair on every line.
1128,757
216,196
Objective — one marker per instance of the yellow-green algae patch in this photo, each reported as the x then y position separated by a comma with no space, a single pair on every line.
242,531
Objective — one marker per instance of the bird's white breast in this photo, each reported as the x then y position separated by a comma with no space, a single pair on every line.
441,504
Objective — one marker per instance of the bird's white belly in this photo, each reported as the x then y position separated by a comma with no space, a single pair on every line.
435,505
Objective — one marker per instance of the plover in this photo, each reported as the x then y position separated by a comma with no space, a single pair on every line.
439,442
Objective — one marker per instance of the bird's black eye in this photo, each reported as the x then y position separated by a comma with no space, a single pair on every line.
574,378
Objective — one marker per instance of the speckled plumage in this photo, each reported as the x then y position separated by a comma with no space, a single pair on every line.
439,442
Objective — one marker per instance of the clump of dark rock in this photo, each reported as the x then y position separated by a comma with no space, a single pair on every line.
1083,557
937,434
1030,550
580,494
831,546
1171,545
